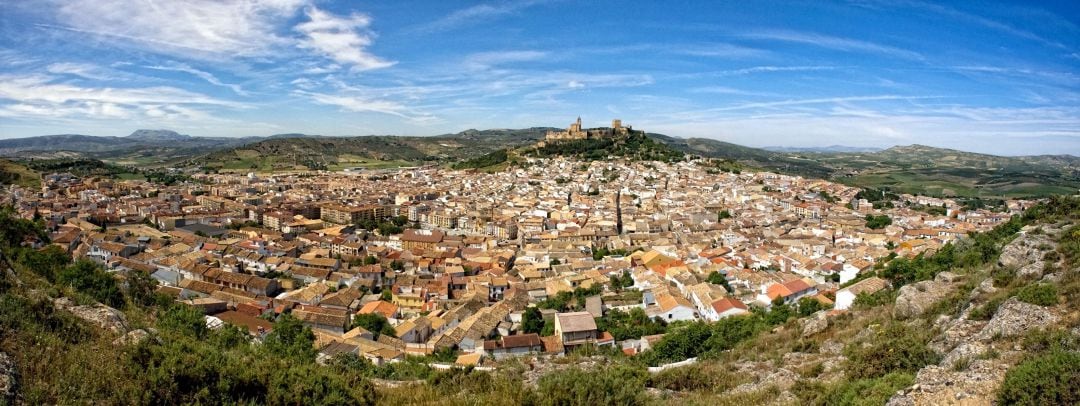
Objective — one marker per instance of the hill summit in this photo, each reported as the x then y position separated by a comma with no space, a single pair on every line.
158,135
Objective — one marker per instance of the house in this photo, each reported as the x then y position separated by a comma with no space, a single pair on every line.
790,291
333,320
672,308
576,328
727,307
423,239
512,346
388,310
846,297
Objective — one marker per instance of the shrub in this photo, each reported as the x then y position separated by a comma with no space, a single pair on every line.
876,391
896,349
1052,378
1042,294
619,385
88,278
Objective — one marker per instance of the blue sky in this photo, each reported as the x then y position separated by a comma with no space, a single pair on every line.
1001,78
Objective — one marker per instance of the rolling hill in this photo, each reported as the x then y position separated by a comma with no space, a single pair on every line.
366,152
12,173
915,169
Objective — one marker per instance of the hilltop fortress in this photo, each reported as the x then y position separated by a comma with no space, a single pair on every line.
575,132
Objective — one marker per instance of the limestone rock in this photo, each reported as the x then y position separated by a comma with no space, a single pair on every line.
814,324
916,298
1014,318
135,337
783,379
8,378
98,314
939,385
962,352
1024,250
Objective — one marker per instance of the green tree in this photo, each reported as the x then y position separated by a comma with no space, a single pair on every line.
375,323
87,277
532,321
291,339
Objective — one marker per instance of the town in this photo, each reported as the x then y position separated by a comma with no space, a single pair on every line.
529,261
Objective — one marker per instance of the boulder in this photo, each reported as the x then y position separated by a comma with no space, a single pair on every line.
915,299
782,379
966,351
814,324
135,337
1015,318
1024,250
939,385
8,379
97,314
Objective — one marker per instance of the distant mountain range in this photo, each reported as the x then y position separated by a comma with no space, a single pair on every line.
909,169
831,148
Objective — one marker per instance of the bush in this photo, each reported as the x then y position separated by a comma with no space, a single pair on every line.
1052,378
896,349
1042,294
693,378
618,385
876,391
88,278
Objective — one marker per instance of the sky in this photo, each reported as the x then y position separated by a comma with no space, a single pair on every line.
992,77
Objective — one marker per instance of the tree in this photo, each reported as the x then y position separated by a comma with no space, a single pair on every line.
724,214
291,339
371,260
88,278
387,296
375,323
877,222
532,321
717,278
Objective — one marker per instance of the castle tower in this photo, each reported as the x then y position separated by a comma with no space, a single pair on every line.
616,124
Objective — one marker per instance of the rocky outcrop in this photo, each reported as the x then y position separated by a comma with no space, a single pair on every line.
8,379
1025,254
1014,318
135,337
940,385
98,314
915,299
782,379
814,324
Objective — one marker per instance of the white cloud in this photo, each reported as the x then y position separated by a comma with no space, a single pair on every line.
472,14
193,28
342,39
201,75
83,70
34,97
837,43
360,104
207,76
483,60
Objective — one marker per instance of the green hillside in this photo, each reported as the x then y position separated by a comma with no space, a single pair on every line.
914,169
367,152
12,173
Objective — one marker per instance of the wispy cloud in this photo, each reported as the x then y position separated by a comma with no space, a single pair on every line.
204,75
483,60
959,15
342,39
836,43
196,28
41,96
83,70
473,14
